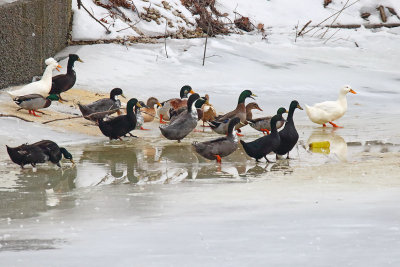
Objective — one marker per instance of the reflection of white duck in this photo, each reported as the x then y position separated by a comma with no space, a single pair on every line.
41,87
329,111
338,145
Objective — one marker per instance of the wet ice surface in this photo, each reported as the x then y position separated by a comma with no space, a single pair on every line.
153,202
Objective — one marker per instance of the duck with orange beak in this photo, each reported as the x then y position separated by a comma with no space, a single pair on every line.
174,103
41,87
64,82
329,111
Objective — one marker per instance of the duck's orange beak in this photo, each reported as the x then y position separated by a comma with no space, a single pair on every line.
192,92
352,91
58,67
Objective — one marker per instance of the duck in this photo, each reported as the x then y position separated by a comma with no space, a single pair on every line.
288,134
41,87
173,113
34,102
262,146
185,122
249,114
209,112
149,112
221,147
63,82
39,152
102,107
139,116
263,124
220,124
119,126
174,103
329,111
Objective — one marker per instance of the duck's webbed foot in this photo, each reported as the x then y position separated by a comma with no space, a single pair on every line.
335,125
60,99
161,120
218,158
131,135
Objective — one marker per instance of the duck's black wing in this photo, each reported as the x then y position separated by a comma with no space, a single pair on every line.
117,127
63,82
26,154
289,137
51,149
261,147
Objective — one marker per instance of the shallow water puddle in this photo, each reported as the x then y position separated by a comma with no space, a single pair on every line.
25,193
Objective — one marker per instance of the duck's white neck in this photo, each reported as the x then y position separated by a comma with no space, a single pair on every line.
47,74
342,99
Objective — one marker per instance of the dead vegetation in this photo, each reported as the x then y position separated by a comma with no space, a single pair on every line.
116,3
244,24
313,30
209,17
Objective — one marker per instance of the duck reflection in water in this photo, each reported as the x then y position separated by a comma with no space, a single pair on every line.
137,163
327,141
281,166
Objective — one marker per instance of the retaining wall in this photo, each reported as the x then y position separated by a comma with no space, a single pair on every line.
30,32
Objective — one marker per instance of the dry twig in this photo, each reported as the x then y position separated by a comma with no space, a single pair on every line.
340,12
14,116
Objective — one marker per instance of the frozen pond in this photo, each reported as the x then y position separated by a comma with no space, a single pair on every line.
153,202
157,203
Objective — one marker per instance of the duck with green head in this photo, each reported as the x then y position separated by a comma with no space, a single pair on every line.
220,125
63,82
174,103
34,102
39,152
119,126
263,124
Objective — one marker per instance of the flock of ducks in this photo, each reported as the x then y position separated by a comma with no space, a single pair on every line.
178,117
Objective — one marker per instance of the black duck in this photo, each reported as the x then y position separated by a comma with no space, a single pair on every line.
262,146
119,126
63,82
38,152
288,135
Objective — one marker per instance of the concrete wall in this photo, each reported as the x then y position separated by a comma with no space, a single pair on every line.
31,31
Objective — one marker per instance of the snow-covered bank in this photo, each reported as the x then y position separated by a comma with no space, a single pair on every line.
282,14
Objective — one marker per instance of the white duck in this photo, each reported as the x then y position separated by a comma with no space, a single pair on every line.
41,87
329,111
